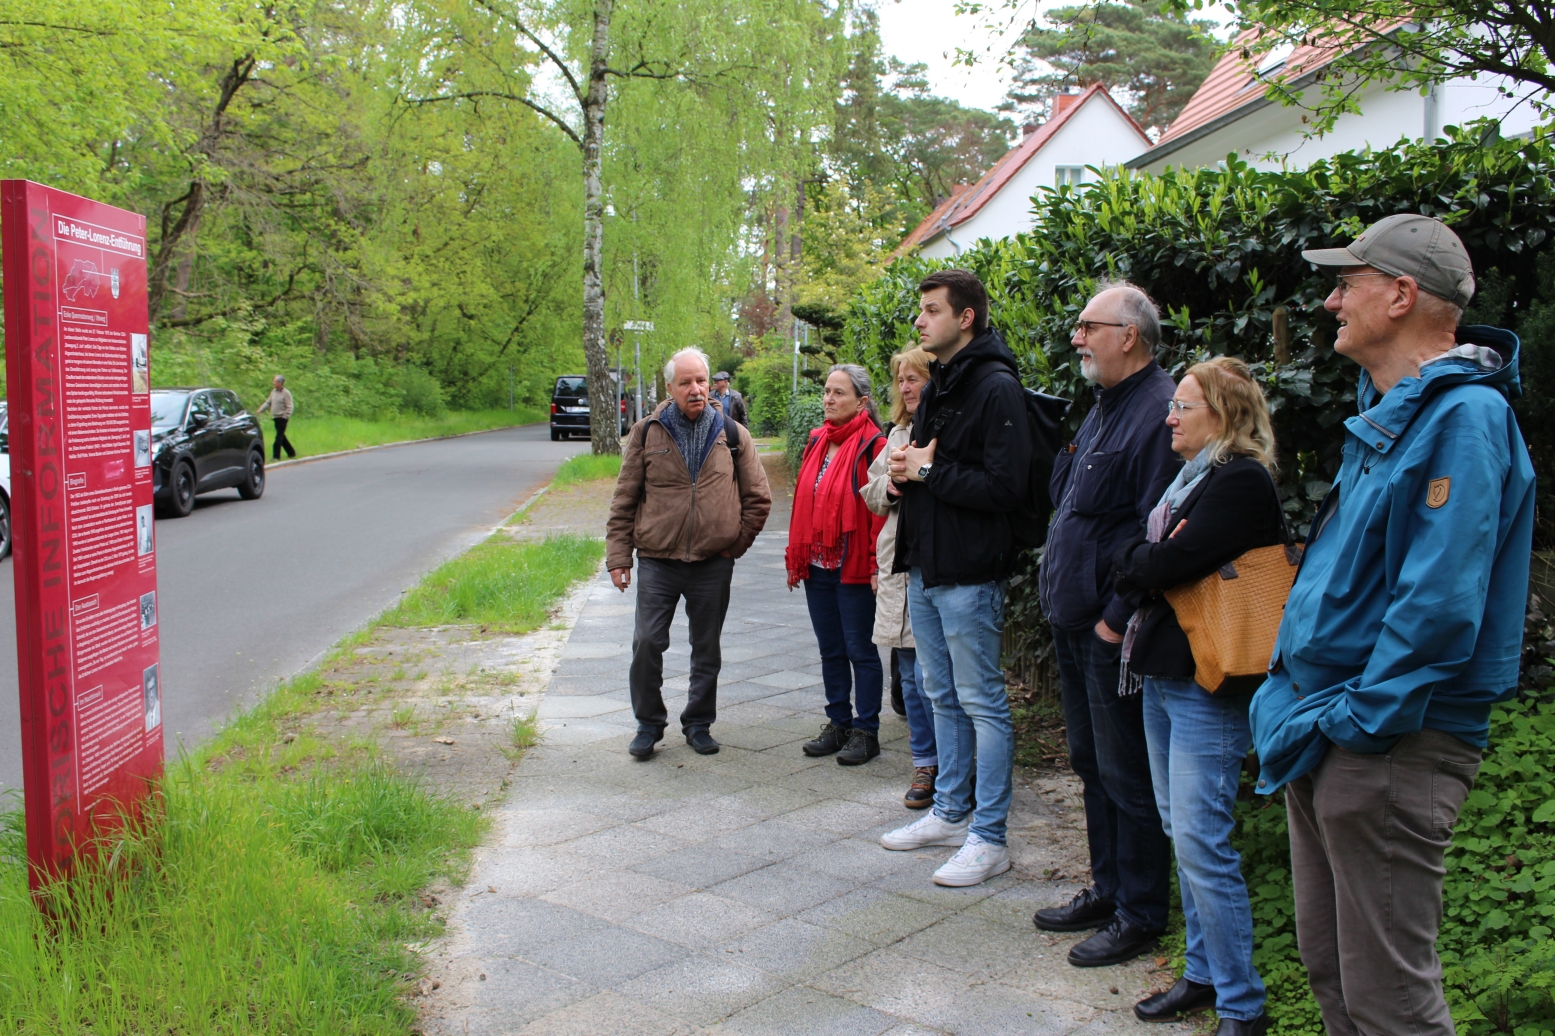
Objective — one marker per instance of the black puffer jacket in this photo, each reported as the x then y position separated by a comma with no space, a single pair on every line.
955,525
1234,509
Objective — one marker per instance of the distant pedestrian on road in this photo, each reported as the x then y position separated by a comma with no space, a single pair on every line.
732,402
280,406
893,623
1404,626
691,498
831,549
1221,505
963,477
1104,486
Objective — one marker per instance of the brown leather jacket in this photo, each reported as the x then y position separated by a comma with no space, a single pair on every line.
659,512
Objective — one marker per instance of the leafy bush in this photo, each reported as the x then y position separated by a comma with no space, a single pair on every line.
766,382
420,393
805,414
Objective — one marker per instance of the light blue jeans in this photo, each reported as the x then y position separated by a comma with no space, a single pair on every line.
1197,743
958,630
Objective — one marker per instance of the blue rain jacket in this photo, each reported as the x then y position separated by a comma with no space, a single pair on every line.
1407,613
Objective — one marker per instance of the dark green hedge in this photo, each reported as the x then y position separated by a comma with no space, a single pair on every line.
1220,250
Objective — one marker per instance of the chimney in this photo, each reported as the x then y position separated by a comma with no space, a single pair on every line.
1029,128
1062,102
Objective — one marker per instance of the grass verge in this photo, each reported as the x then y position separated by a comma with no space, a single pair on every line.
277,886
587,467
313,436
504,586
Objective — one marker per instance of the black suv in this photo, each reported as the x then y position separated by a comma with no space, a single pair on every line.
570,407
202,439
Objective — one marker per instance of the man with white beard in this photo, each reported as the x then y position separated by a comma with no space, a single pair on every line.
1104,486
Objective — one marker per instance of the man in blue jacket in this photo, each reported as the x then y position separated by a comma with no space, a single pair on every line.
1103,488
1403,628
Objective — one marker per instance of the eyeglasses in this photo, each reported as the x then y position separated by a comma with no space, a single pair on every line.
1085,327
1179,406
1342,281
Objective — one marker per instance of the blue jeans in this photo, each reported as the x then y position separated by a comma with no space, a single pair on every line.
920,710
1131,856
1197,744
843,615
958,630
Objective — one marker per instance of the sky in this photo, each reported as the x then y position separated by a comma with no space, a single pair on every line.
930,31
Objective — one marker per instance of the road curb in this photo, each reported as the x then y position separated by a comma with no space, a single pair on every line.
272,465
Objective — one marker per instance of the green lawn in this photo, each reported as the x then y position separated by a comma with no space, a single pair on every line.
274,891
587,467
315,435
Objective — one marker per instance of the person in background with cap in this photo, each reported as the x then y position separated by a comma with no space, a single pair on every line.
1403,628
730,401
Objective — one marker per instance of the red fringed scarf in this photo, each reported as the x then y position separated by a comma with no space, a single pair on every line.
824,514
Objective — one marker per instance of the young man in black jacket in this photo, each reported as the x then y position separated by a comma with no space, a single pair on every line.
962,478
1104,486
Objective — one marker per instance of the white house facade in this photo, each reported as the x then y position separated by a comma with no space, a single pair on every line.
1086,129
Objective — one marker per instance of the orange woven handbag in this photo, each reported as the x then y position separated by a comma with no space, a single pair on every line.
1232,615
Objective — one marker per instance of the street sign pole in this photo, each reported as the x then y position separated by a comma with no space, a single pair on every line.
636,327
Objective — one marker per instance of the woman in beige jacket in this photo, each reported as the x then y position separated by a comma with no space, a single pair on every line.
893,626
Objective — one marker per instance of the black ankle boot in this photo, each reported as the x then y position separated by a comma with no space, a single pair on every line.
831,739
1231,1027
861,748
1085,910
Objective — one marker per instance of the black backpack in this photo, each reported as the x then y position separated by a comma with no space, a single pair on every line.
1044,423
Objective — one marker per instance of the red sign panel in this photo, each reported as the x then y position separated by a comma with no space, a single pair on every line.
78,387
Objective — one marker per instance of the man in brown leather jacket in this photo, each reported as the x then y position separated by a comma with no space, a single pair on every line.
691,498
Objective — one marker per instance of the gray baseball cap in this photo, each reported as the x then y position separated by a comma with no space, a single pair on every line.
1409,245
721,376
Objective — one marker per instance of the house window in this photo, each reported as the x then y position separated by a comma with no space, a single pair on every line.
1070,174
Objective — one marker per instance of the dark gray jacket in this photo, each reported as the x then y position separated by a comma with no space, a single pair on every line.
1105,484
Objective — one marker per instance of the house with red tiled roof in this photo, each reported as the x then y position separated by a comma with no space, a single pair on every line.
1230,113
1088,129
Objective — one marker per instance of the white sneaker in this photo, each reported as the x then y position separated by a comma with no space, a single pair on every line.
977,861
926,830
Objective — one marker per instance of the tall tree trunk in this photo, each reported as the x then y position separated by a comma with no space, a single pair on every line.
781,278
604,408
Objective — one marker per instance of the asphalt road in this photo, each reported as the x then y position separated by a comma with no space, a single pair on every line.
252,592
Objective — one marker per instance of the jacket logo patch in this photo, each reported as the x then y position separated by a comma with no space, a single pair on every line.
1436,492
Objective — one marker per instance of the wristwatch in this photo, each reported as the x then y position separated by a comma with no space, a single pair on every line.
923,472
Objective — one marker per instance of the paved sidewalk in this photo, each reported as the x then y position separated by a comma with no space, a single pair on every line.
746,892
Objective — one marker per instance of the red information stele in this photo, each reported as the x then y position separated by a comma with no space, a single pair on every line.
78,383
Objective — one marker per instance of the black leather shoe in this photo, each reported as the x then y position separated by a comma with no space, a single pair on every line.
1085,910
1231,1027
1117,943
1184,998
642,745
860,749
831,739
921,794
702,742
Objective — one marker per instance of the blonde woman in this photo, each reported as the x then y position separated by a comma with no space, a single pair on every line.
893,626
1222,504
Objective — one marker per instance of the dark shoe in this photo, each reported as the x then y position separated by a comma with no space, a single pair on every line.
1184,998
702,742
642,745
1085,910
1117,943
860,749
921,794
831,739
1231,1027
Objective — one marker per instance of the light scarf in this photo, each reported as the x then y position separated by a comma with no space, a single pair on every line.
1191,474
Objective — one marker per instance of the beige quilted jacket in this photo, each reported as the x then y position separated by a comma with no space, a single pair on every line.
893,627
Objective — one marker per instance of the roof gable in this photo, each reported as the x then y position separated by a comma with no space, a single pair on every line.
965,202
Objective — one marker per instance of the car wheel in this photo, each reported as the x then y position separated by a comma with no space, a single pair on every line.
253,485
180,499
5,525
555,435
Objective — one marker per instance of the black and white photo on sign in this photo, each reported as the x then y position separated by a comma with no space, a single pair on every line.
144,542
140,365
148,610
143,448
153,698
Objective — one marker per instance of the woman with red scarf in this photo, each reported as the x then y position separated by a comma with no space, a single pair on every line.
831,550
